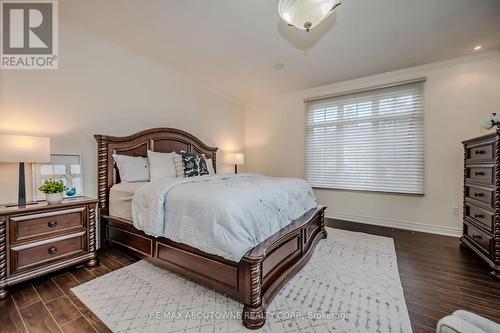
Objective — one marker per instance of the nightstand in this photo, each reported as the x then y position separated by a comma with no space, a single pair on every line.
40,238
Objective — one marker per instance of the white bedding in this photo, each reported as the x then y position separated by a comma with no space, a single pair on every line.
224,215
120,199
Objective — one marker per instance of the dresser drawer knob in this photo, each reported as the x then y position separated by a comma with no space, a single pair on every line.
479,194
477,237
52,224
480,152
478,216
53,250
479,173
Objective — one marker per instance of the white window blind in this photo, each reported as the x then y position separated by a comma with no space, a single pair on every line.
370,140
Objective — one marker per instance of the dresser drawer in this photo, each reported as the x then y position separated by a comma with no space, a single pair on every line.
480,215
479,173
479,237
39,253
483,194
480,151
25,227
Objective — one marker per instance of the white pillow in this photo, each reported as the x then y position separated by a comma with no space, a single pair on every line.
210,166
132,169
179,166
161,165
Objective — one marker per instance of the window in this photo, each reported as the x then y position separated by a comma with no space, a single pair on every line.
371,140
66,168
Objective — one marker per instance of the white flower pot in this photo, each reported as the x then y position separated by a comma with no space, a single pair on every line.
54,198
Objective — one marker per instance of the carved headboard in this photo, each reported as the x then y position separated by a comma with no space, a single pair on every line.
164,140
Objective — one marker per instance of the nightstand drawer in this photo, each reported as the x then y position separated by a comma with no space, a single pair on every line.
39,253
25,227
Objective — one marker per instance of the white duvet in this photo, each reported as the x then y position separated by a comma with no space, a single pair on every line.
224,215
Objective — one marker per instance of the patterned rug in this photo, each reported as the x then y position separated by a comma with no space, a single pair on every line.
351,284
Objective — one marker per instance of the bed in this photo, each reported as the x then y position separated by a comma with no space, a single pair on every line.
254,280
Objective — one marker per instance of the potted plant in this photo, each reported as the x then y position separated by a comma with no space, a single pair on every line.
54,191
492,120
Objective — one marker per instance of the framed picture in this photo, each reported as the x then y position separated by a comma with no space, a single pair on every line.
64,167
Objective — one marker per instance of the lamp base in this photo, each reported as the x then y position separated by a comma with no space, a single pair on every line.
21,198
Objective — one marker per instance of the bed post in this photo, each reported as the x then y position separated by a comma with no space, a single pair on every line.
102,169
102,186
254,311
322,224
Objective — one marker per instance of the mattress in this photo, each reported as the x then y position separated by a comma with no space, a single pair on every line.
120,199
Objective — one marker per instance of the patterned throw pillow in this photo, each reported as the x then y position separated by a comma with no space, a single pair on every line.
179,166
194,165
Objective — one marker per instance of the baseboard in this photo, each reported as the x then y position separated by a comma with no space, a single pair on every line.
433,229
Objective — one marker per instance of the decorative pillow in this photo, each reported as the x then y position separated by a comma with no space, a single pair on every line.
194,165
161,165
132,169
210,166
179,166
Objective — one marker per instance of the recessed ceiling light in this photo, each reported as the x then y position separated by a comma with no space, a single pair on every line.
478,47
279,66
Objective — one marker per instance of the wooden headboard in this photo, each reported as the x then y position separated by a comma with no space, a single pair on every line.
164,140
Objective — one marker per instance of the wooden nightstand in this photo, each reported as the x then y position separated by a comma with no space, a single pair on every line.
41,238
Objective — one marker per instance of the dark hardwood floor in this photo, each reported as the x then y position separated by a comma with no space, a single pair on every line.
437,276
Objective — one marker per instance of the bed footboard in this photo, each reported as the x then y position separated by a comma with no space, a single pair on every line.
271,264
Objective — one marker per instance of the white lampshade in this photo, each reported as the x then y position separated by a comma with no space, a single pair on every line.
234,158
22,148
305,14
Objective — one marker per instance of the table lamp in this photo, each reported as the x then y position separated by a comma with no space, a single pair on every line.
22,148
236,159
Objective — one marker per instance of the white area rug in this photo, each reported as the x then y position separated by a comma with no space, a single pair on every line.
351,284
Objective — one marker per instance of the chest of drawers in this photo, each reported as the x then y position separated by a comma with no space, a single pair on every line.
40,238
481,227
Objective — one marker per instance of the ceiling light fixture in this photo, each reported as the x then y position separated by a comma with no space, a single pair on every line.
478,47
306,14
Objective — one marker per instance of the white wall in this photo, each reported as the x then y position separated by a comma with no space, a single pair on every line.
103,88
459,93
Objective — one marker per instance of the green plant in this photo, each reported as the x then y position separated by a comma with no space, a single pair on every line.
52,186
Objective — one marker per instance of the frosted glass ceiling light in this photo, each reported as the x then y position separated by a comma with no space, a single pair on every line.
306,14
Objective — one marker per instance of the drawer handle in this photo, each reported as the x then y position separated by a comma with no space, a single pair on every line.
480,152
478,216
479,173
53,250
477,237
52,224
479,194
